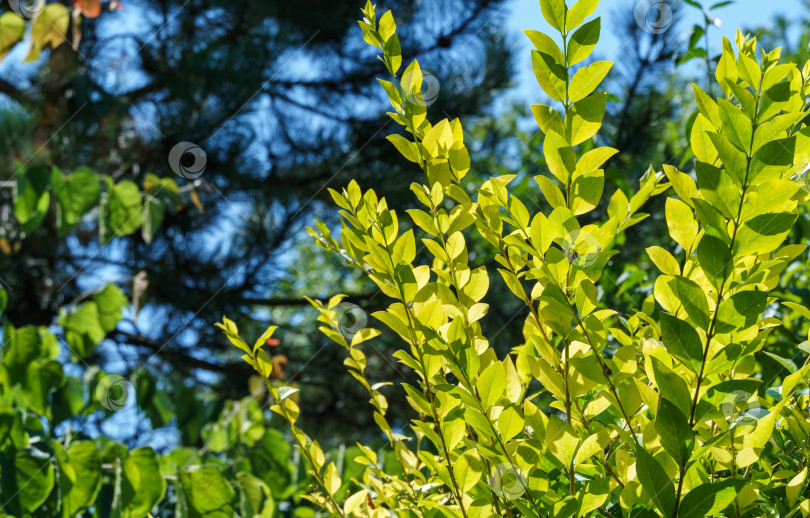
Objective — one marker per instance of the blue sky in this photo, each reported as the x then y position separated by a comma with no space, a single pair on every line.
526,14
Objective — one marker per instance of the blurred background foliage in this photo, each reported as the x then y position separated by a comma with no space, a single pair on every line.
282,98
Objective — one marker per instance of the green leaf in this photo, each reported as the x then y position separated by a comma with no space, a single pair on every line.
790,382
79,476
34,478
709,499
707,106
749,70
594,495
423,220
8,418
257,500
21,347
683,227
491,384
468,470
543,43
540,237
555,310
12,31
715,259
713,222
693,299
111,302
702,145
548,119
560,157
737,125
208,491
585,118
153,211
717,188
726,73
554,13
550,75
593,159
773,159
561,440
43,377
764,427
586,191
553,195
721,398
664,260
682,341
583,41
784,362
142,485
83,329
31,198
578,12
763,234
76,195
671,386
406,148
68,400
587,79
387,26
124,208
50,29
794,488
394,51
510,423
655,481
677,437
733,159
404,250
770,196
164,189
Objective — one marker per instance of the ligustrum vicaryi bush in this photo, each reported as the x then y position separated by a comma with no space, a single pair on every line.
657,413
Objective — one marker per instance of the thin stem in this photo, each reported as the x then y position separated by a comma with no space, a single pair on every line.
304,450
711,330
